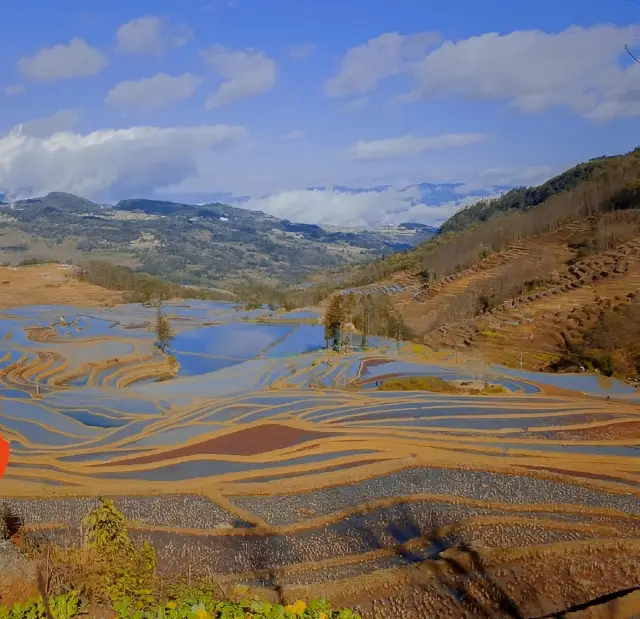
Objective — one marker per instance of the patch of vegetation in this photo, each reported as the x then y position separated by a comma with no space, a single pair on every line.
522,198
419,383
112,572
35,261
371,314
141,287
611,347
10,522
63,606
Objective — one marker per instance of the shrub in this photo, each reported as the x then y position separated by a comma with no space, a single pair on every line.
10,522
127,570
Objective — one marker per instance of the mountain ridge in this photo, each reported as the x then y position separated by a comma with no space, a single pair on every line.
203,244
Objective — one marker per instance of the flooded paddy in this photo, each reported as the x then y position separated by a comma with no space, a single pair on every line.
260,427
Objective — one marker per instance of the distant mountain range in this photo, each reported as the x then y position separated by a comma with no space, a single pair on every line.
193,244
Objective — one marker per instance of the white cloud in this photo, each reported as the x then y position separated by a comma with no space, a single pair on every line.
150,35
408,145
357,104
152,92
245,73
301,50
109,163
578,68
363,208
62,120
364,66
61,62
14,89
294,135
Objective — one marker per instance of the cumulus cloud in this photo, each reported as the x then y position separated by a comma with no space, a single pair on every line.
578,68
408,145
364,66
363,208
294,135
150,35
109,163
301,50
62,120
152,92
14,89
244,73
61,62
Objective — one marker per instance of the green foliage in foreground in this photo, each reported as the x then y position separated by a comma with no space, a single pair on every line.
202,605
60,606
125,575
189,605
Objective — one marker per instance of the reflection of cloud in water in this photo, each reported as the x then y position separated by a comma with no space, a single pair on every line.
234,340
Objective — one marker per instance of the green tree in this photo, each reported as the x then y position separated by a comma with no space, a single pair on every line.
334,317
127,570
164,333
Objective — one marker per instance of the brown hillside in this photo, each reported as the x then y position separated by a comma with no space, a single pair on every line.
49,284
532,287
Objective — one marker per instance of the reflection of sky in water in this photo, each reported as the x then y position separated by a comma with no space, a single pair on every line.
20,409
175,436
304,338
587,383
234,340
35,433
193,365
206,468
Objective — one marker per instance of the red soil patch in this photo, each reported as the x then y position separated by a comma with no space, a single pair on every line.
249,442
624,430
583,474
371,363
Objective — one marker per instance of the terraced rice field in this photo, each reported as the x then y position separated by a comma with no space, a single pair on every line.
266,454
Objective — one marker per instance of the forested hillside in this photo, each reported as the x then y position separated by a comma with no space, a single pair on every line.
524,198
550,286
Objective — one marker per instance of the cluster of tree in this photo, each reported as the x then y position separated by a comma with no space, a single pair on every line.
164,332
521,198
612,346
255,294
510,281
141,287
607,233
371,314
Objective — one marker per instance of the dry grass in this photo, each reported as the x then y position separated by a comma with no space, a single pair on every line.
49,284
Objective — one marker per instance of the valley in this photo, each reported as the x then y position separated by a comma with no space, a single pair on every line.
251,454
444,425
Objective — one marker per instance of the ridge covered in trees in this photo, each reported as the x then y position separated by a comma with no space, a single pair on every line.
599,186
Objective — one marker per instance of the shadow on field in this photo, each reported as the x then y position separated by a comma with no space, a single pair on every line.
462,574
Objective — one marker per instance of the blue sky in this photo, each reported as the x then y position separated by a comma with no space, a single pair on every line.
264,100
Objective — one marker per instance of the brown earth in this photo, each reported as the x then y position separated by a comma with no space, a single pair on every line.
49,284
534,328
590,580
249,442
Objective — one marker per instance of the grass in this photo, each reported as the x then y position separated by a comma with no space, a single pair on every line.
419,383
435,384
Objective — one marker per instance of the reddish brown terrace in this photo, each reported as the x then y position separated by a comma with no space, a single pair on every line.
583,474
248,442
625,430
